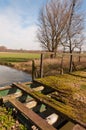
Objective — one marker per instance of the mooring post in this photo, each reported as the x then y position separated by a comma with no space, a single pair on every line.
41,65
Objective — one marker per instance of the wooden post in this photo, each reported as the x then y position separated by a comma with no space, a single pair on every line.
79,55
61,71
41,65
62,58
33,70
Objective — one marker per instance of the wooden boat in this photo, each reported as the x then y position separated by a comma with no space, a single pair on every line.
40,106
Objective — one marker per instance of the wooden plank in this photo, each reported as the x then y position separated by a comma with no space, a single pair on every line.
5,88
11,96
40,88
56,105
36,119
78,127
27,83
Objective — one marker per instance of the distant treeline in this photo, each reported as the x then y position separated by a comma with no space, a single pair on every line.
5,49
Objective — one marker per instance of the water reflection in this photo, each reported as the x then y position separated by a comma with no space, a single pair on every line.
9,75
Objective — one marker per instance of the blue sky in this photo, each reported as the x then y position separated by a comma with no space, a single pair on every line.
18,23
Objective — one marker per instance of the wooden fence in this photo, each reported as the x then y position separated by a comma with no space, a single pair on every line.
61,61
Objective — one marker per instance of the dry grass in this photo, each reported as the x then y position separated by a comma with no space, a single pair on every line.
51,66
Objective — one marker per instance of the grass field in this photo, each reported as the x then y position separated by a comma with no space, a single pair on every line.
23,61
17,57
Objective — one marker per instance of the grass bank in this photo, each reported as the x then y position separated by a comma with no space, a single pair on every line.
23,61
17,57
18,60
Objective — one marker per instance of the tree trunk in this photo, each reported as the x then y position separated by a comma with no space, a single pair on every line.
53,54
71,60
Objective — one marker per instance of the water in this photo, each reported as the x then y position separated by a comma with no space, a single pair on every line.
9,75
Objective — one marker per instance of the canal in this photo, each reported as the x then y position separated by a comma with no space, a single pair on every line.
9,75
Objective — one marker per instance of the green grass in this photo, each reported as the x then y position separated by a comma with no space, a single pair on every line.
17,57
70,89
70,83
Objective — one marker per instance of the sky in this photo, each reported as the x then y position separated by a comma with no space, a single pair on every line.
18,23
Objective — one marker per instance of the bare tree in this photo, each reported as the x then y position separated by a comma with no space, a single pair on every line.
61,22
52,20
73,37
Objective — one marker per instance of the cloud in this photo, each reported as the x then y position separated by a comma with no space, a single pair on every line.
17,24
84,43
16,32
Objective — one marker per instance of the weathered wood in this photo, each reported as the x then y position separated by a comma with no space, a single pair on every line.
40,88
33,70
5,88
11,96
41,65
65,109
36,119
27,83
78,127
